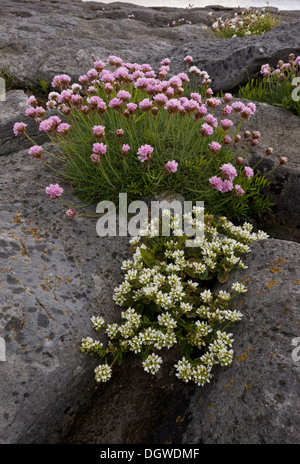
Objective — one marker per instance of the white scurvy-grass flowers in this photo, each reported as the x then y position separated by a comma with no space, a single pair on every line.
169,300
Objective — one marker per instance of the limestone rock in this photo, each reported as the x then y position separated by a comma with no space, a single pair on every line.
256,400
13,110
55,274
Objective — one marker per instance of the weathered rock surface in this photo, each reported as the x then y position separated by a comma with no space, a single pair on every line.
55,274
42,38
12,110
279,129
256,400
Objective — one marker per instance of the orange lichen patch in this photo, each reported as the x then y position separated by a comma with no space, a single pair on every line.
18,219
280,260
179,419
245,355
286,309
281,327
24,251
276,269
296,281
259,293
272,283
227,386
211,405
247,387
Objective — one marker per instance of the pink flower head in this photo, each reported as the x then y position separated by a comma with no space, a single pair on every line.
229,171
248,172
107,77
184,77
175,82
188,59
211,120
35,151
99,65
171,166
215,147
99,132
201,112
92,74
125,148
213,102
141,83
54,191
132,107
40,112
165,61
63,128
238,190
252,107
121,73
196,96
206,130
124,95
19,128
228,97
99,148
216,183
160,99
170,92
61,80
146,104
120,133
145,152
226,124
115,60
30,112
256,134
173,105
95,158
283,160
115,103
227,140
227,186
246,113
94,101
71,213
84,80
238,106
227,110
108,88
32,101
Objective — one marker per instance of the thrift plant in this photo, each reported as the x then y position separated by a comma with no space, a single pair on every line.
125,128
168,303
277,86
249,22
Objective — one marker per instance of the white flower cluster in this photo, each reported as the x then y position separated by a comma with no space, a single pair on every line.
168,305
103,373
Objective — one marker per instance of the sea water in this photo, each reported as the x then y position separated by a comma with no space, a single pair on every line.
280,4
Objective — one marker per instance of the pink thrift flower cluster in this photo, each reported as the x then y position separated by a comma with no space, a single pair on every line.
171,166
145,153
225,183
54,191
132,92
